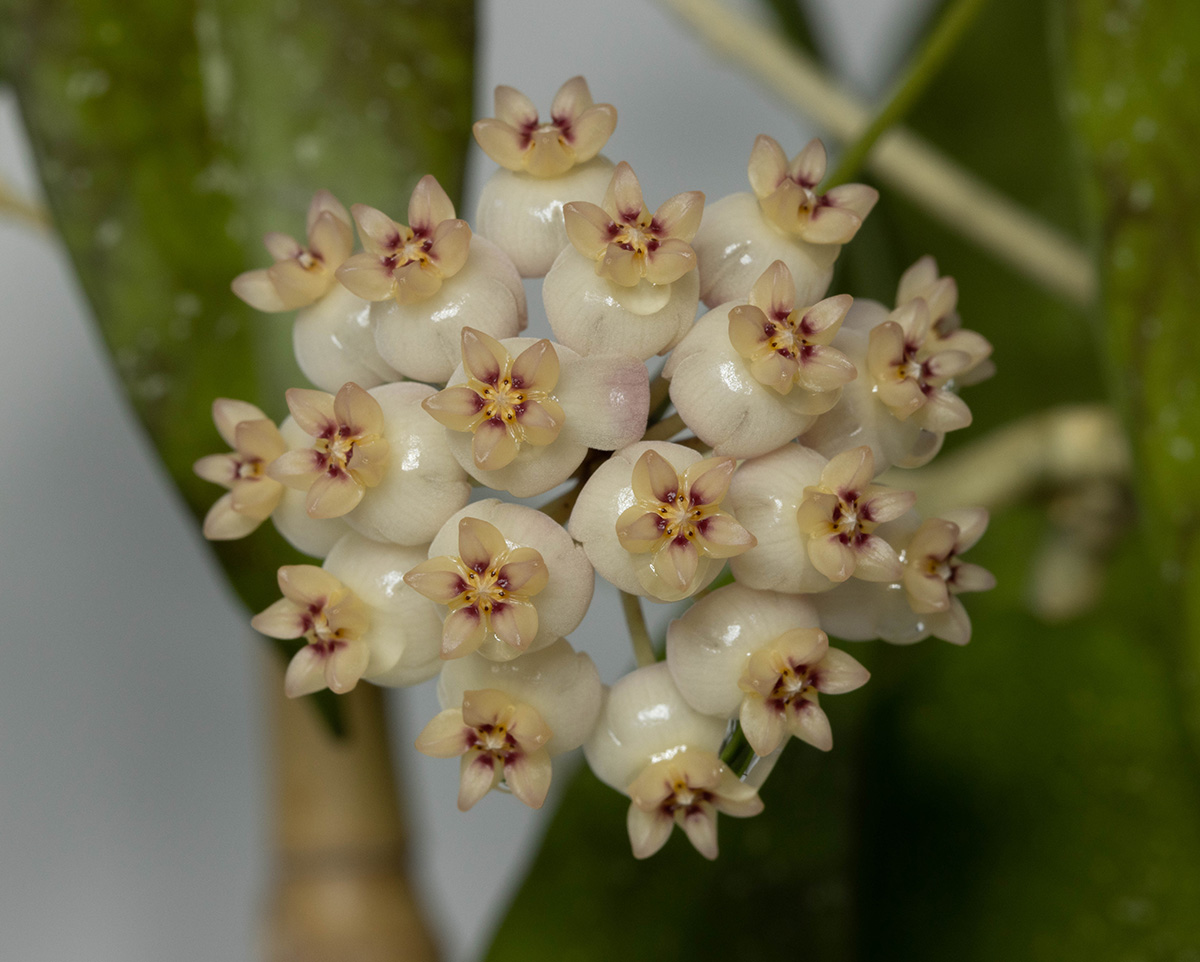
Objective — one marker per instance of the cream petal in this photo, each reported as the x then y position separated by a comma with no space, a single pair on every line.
297,469
415,282
914,320
487,706
589,228
915,281
768,165
345,666
880,504
787,207
590,132
259,439
541,421
954,625
799,646
312,410
838,672
256,498
815,511
257,290
740,801
529,777
332,240
825,369
679,216
333,495
524,571
367,276
220,469
478,775
463,632
831,225
810,724
451,246
493,447
501,142
675,563
849,471
707,481
550,156
808,167
513,107
624,197
325,203
455,408
722,537
572,99
903,397
438,579
515,623
648,831
536,368
775,371
224,523
943,411
946,364
825,316
281,247
305,672
654,479
379,233
970,343
857,198
357,411
621,266
761,724
748,327
283,619
638,530
926,592
429,205
876,560
479,543
483,356
972,523
774,291
669,261
885,349
228,413
833,559
446,736
309,585
972,577
700,824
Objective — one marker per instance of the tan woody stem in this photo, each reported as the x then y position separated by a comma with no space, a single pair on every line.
340,890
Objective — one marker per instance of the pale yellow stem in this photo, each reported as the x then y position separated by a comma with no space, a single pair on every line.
643,648
901,159
14,205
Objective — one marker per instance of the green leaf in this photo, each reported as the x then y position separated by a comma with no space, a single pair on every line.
1131,80
171,136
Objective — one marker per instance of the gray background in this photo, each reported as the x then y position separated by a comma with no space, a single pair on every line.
132,821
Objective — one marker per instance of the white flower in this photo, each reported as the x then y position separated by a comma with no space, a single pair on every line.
375,455
506,720
784,219
523,413
759,656
652,746
748,378
253,494
651,520
511,577
358,618
628,283
301,275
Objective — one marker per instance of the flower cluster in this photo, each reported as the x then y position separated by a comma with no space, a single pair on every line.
755,452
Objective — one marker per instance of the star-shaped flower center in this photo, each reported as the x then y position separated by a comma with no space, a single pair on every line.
506,401
487,588
678,518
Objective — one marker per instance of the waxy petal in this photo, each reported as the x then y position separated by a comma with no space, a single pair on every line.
429,205
478,775
309,585
524,571
831,225
825,369
415,282
259,439
722,537
451,246
480,544
220,469
228,413
513,107
484,358
654,479
879,503
707,481
700,825
571,100
536,367
446,736
332,240
748,329
528,775
333,495
281,247
768,165
224,523
972,577
877,560
775,291
679,217
638,530
859,199
808,167
463,632
438,579
356,411
296,469
669,261
305,672
345,666
761,724
367,276
380,234
675,563
504,144
648,831
541,421
624,196
515,623
283,619
838,673
257,289
591,131
589,228
943,411
810,724
849,471
493,447
456,407
834,560
313,411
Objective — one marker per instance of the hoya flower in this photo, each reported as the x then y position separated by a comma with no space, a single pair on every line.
334,342
253,494
652,746
923,601
375,459
815,520
760,657
358,618
301,275
748,378
652,520
786,219
523,413
511,579
542,166
628,282
507,720
922,280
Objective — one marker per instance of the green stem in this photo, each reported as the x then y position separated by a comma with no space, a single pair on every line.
958,16
665,429
643,648
737,753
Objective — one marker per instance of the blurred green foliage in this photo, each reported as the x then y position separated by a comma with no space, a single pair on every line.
1035,795
171,136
